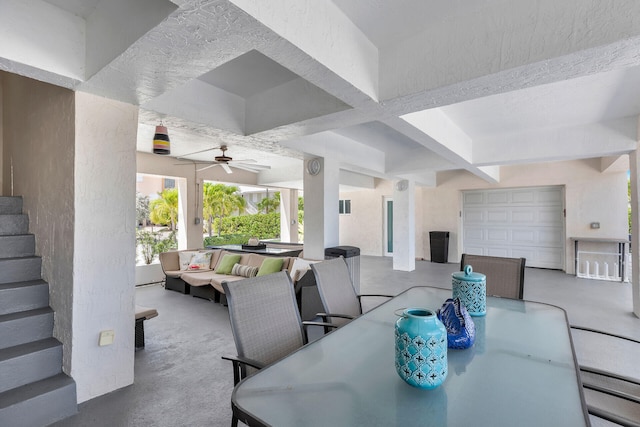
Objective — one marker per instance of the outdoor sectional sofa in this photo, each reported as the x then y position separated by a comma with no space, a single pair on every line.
201,272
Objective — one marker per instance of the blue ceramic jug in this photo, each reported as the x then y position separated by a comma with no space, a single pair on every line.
461,331
421,348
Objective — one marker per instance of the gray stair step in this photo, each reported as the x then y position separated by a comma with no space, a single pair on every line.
17,246
10,205
23,296
26,326
14,224
40,403
20,269
27,363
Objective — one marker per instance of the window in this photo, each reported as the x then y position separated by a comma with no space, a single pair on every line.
345,207
169,183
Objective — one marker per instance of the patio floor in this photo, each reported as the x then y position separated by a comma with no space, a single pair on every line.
180,379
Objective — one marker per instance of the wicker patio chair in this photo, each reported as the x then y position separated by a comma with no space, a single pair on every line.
339,298
265,323
505,276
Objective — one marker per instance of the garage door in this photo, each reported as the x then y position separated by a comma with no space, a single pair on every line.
516,222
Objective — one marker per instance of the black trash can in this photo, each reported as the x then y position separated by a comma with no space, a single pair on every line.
439,241
351,255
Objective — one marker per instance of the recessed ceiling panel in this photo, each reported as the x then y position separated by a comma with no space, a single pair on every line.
248,75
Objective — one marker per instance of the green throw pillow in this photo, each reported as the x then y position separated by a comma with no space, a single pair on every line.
226,263
270,265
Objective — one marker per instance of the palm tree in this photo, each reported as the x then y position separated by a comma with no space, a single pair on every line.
220,200
269,204
165,209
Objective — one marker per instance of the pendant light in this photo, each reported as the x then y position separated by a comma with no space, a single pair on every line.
161,143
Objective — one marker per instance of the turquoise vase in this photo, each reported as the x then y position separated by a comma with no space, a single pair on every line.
471,288
421,348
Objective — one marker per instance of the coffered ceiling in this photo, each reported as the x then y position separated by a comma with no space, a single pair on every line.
397,89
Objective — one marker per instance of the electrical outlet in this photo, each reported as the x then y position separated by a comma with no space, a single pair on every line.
106,337
595,225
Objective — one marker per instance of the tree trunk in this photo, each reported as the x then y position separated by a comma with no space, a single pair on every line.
210,226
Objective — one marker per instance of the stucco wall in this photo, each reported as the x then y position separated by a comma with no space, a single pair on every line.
590,196
39,142
364,227
73,159
104,244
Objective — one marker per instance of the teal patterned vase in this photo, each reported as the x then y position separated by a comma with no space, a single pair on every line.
421,348
471,288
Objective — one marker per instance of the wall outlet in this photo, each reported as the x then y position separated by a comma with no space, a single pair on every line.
106,337
595,225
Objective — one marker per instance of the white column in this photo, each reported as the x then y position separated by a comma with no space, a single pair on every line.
289,215
321,193
634,166
183,203
404,226
189,235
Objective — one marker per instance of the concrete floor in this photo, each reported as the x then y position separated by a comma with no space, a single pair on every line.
180,379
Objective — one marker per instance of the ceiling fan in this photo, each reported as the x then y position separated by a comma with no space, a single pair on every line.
226,162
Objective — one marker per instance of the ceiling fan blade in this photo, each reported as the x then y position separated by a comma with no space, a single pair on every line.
226,168
196,152
206,167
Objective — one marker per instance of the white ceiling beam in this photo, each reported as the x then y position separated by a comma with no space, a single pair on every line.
321,29
610,138
454,145
345,150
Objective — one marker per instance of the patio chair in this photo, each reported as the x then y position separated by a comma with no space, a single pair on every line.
610,395
265,323
505,276
339,298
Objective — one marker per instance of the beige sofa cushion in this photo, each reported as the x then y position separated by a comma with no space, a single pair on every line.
210,277
170,261
199,278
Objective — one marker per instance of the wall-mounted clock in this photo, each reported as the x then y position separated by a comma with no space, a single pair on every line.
402,185
314,166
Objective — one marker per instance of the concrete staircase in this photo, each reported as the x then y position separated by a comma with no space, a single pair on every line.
33,389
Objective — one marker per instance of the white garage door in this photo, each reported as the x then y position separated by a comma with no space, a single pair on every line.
516,222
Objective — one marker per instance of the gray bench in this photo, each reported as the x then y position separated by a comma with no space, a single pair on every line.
142,314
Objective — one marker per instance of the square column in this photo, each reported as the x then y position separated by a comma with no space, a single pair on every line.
634,166
289,215
404,226
321,195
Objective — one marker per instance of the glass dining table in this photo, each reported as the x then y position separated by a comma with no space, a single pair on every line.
520,371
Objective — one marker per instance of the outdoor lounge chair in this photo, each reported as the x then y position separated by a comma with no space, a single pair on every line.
505,276
339,298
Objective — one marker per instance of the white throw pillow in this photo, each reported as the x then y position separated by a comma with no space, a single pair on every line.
201,261
185,259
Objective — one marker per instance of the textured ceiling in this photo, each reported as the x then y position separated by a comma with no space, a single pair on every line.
398,90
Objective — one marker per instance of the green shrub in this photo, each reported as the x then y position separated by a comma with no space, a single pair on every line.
151,244
262,226
228,239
